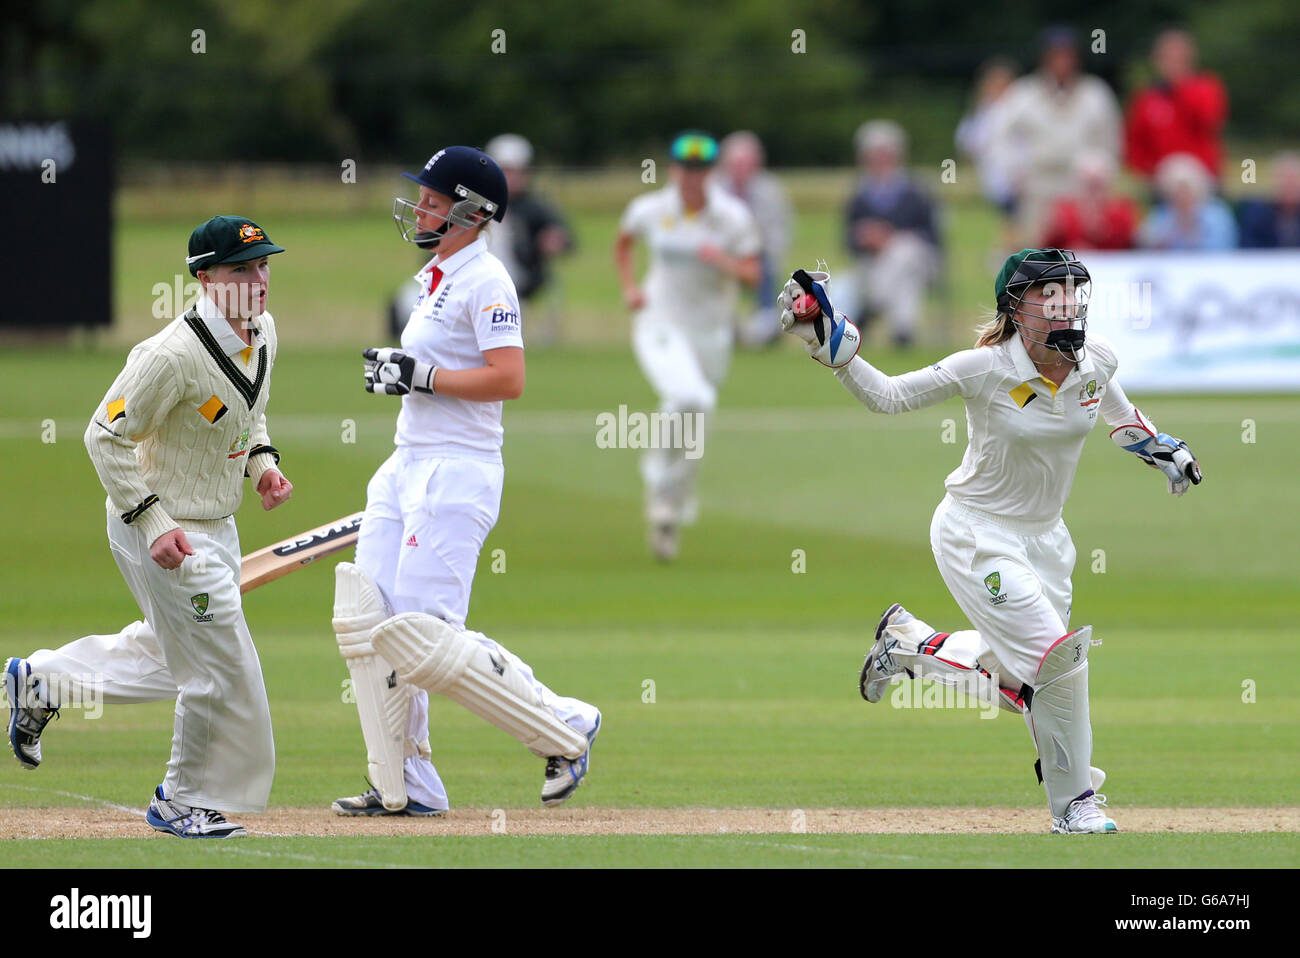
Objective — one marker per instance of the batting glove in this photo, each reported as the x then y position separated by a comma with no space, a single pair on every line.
395,373
830,338
1161,451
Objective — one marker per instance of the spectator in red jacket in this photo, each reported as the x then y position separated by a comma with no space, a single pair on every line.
1093,216
1182,112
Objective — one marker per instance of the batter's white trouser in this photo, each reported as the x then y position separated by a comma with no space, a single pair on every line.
893,281
425,523
685,367
223,752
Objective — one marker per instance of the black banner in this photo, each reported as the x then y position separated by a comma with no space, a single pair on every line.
56,204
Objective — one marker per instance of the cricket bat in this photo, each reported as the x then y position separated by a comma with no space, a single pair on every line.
267,565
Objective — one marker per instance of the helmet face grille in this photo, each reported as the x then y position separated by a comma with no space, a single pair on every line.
1066,285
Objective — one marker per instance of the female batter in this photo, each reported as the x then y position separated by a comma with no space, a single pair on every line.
1033,392
702,243
400,611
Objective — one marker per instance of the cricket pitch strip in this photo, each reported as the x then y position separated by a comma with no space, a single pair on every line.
118,822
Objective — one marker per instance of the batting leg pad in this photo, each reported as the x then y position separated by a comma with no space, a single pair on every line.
429,653
382,701
1059,720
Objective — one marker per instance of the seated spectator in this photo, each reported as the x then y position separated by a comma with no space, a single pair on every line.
1276,223
1094,216
740,172
1182,112
1190,216
891,231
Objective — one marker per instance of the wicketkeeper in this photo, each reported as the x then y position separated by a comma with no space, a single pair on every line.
1033,393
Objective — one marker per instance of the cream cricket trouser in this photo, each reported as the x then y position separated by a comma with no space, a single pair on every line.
892,282
1011,578
223,753
685,367
425,523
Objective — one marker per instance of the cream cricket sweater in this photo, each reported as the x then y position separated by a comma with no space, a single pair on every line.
185,422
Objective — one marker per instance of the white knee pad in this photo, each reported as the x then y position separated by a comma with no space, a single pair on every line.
435,656
1059,720
382,701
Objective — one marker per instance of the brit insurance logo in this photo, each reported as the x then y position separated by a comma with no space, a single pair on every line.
504,319
993,582
200,604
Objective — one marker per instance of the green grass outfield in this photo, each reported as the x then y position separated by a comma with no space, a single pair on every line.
672,851
1196,689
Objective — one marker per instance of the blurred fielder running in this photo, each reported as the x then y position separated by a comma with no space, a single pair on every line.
173,439
702,244
1032,392
399,611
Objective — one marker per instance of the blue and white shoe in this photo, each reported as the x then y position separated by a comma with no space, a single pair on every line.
880,667
370,802
563,776
186,822
28,713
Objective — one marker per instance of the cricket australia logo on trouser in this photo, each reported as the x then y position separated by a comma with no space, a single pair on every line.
200,604
994,583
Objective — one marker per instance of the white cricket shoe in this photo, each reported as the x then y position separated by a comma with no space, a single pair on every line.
28,712
1084,817
563,776
880,666
185,822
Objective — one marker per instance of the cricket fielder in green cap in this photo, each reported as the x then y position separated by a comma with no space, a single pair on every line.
173,440
1034,386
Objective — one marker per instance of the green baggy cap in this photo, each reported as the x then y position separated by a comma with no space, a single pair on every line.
228,239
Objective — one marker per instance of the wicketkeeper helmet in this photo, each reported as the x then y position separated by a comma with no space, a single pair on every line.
1067,283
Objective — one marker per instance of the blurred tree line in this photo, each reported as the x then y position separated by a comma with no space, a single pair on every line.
589,81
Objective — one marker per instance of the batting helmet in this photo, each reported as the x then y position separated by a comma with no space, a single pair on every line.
472,180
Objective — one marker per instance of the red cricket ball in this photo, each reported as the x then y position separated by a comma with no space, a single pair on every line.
806,308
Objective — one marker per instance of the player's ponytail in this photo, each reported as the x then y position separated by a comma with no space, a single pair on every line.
998,328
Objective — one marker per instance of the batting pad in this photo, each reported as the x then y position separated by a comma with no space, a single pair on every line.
1059,720
433,655
359,606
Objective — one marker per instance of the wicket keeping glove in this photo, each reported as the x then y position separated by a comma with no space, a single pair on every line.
806,311
395,373
1160,451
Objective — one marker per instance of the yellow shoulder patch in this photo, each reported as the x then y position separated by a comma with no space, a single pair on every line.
213,409
1022,394
116,410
